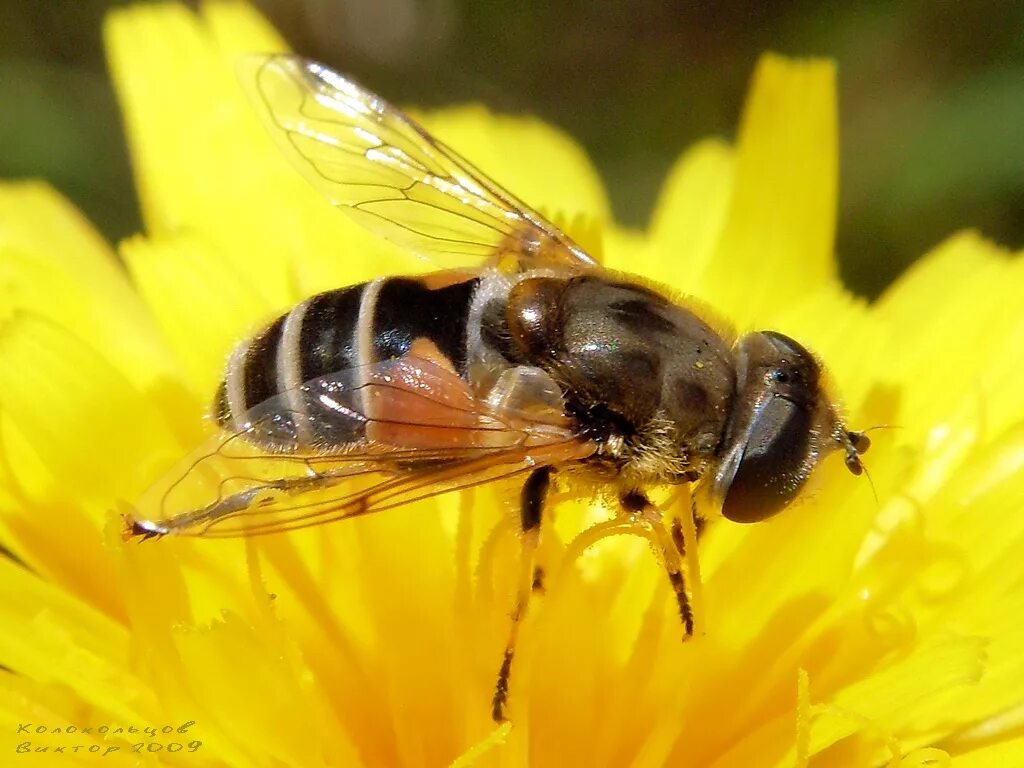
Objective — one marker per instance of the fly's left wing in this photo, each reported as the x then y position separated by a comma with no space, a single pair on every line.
382,168
349,444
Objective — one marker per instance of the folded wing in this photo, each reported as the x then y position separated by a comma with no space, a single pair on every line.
344,445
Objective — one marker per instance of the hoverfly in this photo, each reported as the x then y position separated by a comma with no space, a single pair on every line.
372,396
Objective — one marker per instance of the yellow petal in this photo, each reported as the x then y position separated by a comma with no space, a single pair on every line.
206,168
54,265
777,238
965,578
958,332
185,116
995,755
883,703
537,163
57,389
633,252
292,727
201,302
32,704
239,29
70,643
690,213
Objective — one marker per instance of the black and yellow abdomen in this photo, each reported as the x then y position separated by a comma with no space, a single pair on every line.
341,331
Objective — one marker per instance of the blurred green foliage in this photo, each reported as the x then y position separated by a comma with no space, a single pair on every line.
932,95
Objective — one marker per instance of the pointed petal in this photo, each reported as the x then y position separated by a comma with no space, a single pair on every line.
79,415
53,264
239,29
778,235
201,302
691,211
70,643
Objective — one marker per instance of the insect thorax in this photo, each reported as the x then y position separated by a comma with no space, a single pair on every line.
646,380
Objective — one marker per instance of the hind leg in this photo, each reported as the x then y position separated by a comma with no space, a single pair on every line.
531,509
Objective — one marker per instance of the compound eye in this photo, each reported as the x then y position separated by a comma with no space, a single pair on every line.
769,466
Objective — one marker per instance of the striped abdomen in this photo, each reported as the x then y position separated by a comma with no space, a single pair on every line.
341,330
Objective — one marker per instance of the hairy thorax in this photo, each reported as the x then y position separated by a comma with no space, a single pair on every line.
647,381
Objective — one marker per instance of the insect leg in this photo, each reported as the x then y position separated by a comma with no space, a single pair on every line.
638,504
699,524
531,507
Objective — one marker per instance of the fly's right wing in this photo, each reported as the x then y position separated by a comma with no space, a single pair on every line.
377,164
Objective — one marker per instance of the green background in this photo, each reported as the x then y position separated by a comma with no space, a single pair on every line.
931,95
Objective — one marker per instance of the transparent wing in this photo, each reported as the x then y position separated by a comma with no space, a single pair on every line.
374,162
344,445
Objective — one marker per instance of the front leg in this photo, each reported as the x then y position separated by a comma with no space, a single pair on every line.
531,508
636,503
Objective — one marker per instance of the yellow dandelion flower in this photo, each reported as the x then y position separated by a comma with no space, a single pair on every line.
848,631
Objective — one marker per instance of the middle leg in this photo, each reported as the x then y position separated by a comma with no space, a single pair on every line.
669,549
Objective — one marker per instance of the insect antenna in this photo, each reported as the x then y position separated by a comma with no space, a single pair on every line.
882,426
871,483
858,443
